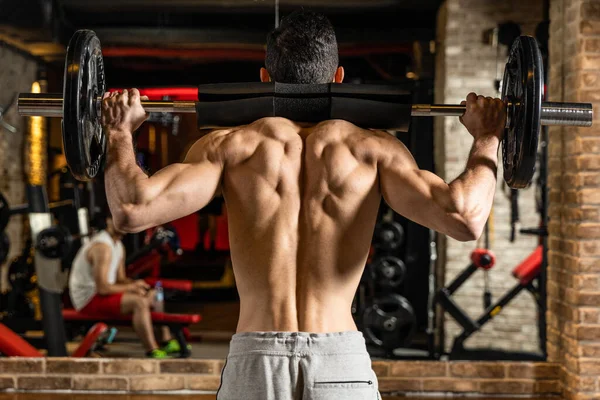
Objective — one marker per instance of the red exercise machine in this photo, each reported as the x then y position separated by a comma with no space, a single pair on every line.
526,274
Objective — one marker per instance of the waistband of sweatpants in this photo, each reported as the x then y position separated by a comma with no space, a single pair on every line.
292,342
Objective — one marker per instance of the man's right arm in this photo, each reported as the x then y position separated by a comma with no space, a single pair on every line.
459,209
100,256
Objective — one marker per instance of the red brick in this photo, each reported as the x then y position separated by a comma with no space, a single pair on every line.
43,382
587,264
450,385
586,282
588,195
590,10
588,27
418,368
381,368
129,366
208,367
156,382
506,386
590,350
580,383
103,383
72,366
7,382
589,96
586,248
581,298
590,79
390,385
220,364
589,367
532,370
588,230
548,387
477,370
202,382
21,365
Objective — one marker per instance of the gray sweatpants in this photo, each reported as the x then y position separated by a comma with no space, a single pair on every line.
298,366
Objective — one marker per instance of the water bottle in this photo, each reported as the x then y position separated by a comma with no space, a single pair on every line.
159,297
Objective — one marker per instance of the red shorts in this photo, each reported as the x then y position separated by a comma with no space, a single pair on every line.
106,305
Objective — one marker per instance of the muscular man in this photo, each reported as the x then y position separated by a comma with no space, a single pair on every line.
98,285
302,201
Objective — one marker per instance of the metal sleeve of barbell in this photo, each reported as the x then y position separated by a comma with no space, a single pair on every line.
51,105
163,106
567,114
40,105
437,110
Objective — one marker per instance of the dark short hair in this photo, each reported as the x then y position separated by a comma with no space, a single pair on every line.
303,49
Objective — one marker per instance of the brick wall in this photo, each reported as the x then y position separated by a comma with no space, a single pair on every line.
395,377
17,73
465,64
574,177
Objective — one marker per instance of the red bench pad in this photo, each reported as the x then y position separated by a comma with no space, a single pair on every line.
89,339
157,317
530,268
13,345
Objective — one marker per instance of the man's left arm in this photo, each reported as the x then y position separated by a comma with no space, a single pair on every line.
121,274
137,201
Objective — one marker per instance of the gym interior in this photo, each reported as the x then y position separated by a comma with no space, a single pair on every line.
514,314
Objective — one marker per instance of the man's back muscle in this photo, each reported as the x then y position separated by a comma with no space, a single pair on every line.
302,204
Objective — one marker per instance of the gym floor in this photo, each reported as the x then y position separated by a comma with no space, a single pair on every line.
46,396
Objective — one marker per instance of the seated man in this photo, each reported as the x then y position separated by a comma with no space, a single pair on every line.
98,285
302,203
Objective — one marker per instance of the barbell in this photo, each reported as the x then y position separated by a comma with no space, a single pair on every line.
84,142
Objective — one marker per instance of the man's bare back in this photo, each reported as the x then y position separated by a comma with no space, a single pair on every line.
302,204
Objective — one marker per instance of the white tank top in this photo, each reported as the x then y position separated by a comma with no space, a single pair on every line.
82,286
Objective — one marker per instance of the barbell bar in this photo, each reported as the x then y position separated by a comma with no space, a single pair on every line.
552,114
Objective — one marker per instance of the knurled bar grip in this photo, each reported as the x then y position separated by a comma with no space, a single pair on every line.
566,114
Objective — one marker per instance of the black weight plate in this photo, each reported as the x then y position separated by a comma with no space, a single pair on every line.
388,235
4,212
390,322
84,142
388,271
522,89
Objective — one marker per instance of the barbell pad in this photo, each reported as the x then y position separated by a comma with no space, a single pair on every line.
361,112
231,113
215,92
